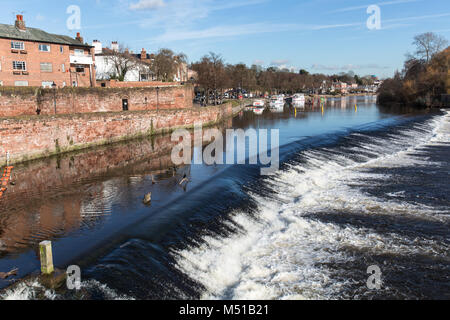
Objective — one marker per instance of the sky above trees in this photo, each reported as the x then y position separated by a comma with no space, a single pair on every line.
320,36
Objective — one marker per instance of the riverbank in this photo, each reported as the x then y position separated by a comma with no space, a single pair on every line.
31,137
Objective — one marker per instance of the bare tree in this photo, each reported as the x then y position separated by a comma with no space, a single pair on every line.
218,73
211,74
428,45
166,64
121,61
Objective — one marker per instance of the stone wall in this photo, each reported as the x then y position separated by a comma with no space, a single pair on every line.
27,100
134,84
33,137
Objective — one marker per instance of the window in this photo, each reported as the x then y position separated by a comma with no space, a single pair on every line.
17,45
63,68
79,52
46,67
21,83
1,83
61,49
44,47
47,84
19,65
79,69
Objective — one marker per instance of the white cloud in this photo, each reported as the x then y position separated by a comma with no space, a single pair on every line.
387,3
147,5
220,31
178,34
258,62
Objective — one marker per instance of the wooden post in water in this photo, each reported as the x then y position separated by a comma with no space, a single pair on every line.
45,250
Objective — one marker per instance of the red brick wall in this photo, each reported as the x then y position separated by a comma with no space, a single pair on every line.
86,78
40,136
135,84
25,101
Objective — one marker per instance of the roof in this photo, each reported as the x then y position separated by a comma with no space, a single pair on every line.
37,35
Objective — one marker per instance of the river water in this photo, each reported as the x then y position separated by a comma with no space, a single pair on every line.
357,187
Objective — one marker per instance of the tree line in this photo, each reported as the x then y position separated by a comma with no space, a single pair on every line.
214,76
422,82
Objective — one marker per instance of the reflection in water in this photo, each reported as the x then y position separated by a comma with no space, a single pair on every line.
76,192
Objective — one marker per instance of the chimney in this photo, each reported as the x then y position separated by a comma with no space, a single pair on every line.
98,48
20,24
114,46
143,54
79,38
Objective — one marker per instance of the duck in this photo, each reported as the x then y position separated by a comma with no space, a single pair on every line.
147,198
6,275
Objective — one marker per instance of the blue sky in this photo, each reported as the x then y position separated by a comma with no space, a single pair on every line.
326,36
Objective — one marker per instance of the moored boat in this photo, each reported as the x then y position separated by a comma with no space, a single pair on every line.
298,98
258,111
259,103
276,101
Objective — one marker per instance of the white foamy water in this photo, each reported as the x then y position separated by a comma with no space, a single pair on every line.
34,290
285,253
27,290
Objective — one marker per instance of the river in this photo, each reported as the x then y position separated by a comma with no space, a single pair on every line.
357,187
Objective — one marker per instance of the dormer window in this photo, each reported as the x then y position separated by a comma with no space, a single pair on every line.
44,47
17,45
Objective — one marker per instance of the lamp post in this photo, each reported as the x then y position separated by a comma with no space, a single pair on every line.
54,94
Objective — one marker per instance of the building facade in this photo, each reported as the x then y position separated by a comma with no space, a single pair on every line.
33,57
105,58
140,68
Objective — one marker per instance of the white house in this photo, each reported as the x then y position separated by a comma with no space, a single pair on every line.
105,68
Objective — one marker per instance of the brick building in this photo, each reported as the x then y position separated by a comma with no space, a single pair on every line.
33,57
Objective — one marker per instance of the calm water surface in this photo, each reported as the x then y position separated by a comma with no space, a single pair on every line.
357,187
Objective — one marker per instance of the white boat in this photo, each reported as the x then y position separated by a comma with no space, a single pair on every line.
298,98
259,103
258,111
277,109
299,104
276,102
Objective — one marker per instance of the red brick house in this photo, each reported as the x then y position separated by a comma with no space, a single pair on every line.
33,57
